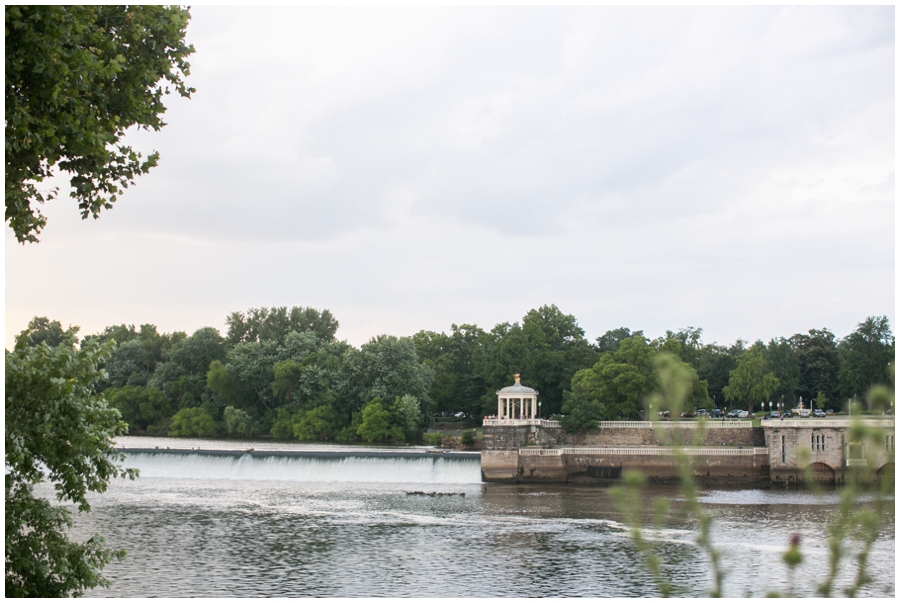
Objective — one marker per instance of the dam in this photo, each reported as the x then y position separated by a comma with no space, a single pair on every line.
779,451
332,466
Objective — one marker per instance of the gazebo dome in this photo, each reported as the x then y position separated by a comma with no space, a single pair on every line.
518,388
517,401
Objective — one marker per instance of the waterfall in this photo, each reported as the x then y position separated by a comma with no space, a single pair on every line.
305,468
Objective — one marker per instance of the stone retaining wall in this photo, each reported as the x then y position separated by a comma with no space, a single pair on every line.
594,467
625,436
508,437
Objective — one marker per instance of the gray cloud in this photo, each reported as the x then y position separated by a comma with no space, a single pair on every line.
653,167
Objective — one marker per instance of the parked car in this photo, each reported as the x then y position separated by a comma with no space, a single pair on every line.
743,414
773,414
787,414
733,414
829,411
819,414
717,413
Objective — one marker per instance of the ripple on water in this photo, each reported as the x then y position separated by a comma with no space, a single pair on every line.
253,538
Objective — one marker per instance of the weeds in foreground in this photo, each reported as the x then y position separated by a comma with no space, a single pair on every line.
852,521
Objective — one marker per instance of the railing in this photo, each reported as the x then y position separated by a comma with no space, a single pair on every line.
655,451
856,462
714,423
520,422
773,423
708,423
540,451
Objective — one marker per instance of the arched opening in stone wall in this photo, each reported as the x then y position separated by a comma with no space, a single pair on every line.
885,470
820,472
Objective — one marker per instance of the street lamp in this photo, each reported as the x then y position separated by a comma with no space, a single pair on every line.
540,416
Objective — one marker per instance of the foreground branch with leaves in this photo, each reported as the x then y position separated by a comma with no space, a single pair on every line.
58,431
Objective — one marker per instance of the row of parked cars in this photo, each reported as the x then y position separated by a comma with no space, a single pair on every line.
816,414
743,414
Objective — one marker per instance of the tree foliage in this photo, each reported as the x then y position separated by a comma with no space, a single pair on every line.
78,77
866,354
141,407
750,383
43,330
376,424
60,430
617,385
819,361
274,324
193,421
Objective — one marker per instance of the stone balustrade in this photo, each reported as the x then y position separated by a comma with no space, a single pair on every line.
711,423
655,451
836,423
520,422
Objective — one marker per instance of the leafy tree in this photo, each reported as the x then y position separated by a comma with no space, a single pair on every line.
456,386
505,351
186,365
820,401
610,341
749,383
137,354
617,385
274,324
376,424
141,407
288,376
715,364
78,77
685,343
781,359
387,367
220,382
819,362
283,424
42,330
126,366
193,421
406,414
559,350
57,429
547,350
237,422
320,423
867,354
611,389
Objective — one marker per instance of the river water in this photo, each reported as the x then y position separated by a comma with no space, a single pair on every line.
216,526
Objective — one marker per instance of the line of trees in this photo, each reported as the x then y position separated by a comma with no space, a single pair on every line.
282,372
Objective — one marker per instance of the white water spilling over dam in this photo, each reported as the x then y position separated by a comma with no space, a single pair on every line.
420,469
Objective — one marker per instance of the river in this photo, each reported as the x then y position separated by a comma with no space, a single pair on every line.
202,526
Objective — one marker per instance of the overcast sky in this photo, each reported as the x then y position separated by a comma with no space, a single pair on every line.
408,168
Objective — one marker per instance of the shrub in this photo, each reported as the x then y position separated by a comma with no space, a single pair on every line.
433,439
192,422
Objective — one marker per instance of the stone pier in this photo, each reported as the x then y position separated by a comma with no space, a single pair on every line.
533,450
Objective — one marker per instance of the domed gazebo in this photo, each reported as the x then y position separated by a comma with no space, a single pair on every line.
517,401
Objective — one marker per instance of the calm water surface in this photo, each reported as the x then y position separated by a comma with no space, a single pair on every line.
197,525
